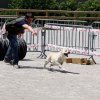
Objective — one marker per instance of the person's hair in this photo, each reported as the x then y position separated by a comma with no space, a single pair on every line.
29,15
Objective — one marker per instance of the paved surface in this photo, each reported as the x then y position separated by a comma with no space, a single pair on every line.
32,82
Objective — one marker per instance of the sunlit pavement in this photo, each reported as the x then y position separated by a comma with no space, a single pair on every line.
33,82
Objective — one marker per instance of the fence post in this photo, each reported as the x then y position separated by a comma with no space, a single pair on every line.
43,34
46,13
91,40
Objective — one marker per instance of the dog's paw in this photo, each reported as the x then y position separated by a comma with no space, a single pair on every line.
63,69
50,69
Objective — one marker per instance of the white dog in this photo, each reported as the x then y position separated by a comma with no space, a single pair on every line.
56,58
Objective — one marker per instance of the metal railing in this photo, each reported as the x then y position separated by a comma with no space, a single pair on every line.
72,34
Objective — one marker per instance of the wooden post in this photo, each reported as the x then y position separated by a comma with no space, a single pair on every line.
46,13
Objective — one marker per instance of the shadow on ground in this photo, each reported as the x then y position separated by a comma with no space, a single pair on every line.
49,69
26,60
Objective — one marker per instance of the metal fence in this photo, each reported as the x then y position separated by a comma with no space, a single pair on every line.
35,43
39,43
75,35
96,30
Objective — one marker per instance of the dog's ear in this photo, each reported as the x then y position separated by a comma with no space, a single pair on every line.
66,54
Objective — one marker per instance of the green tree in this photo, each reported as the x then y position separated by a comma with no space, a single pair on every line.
69,5
72,5
34,4
90,5
16,4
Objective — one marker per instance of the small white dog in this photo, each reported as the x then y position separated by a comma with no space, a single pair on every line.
56,58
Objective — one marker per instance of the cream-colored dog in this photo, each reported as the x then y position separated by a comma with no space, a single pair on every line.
56,58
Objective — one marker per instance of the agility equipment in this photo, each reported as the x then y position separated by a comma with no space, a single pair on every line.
22,48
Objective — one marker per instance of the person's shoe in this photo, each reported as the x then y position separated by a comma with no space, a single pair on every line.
7,61
16,66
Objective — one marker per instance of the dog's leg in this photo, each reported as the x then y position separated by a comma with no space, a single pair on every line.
51,64
60,67
46,62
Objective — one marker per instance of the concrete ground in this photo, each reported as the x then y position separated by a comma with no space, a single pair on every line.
32,82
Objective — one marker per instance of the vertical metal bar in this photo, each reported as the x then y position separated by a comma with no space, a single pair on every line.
75,37
72,33
69,37
82,39
60,35
63,36
79,39
57,37
66,38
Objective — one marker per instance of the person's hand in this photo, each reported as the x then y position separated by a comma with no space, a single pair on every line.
34,33
19,35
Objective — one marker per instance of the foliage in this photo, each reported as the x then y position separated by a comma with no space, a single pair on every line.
90,5
34,4
72,5
16,4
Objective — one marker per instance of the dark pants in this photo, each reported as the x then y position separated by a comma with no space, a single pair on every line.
12,52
